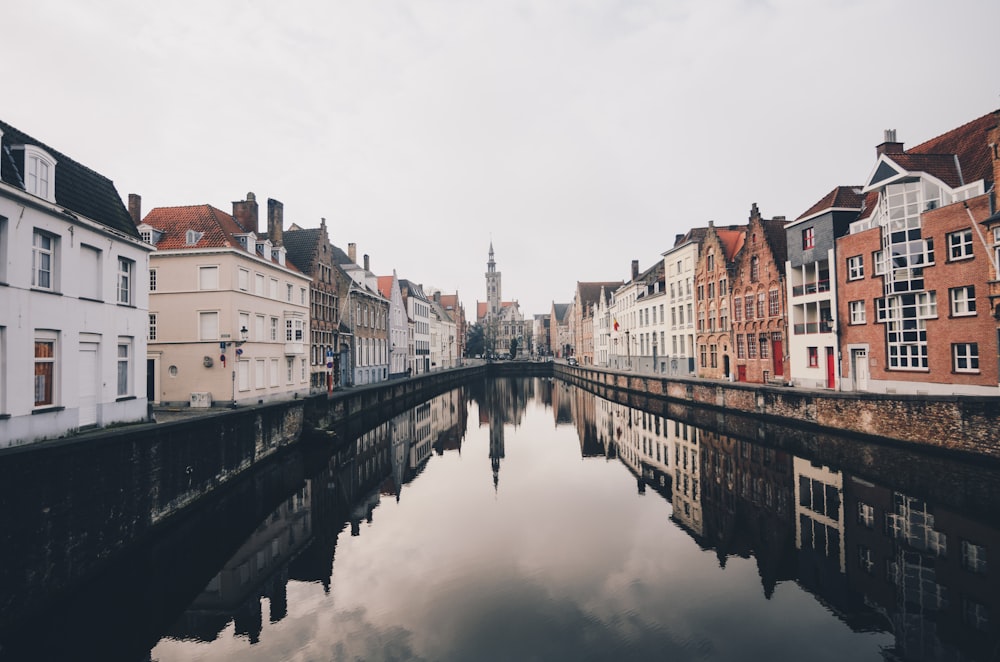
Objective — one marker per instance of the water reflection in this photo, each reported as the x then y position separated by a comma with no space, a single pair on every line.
875,558
519,519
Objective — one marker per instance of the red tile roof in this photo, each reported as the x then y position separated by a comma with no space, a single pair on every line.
732,241
969,143
841,197
385,286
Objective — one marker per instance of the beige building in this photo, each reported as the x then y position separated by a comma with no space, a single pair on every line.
228,316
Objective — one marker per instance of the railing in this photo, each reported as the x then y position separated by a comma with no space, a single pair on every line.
812,327
811,288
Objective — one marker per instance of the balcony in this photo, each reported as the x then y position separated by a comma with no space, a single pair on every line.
825,326
811,288
294,348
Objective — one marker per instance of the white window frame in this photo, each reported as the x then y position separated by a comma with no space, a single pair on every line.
243,375
856,311
856,267
152,280
39,173
203,318
44,255
965,357
124,367
258,284
963,301
960,245
46,338
208,277
151,330
274,329
274,373
260,374
126,271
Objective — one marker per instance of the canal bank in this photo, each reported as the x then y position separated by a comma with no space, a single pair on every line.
961,425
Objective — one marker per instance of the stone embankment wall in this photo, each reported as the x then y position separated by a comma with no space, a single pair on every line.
961,424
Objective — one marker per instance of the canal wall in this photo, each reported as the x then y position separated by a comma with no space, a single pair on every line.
965,425
69,506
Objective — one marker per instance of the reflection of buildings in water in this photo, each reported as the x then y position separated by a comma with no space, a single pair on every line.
683,439
926,569
258,569
746,493
503,401
637,438
453,421
562,403
604,427
584,414
423,430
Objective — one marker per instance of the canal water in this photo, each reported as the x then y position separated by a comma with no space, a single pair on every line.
528,519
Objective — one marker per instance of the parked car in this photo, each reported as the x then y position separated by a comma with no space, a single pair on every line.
572,361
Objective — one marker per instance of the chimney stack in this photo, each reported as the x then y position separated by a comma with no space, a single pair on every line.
635,269
366,262
245,213
352,252
135,207
889,144
275,221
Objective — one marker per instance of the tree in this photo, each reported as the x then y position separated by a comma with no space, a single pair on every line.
475,344
513,347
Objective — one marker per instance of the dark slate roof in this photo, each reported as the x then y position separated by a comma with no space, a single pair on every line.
591,292
78,188
969,143
561,311
340,257
777,239
841,197
301,246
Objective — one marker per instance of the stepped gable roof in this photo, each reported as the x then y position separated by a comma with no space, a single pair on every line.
732,240
301,246
841,197
77,188
590,292
777,239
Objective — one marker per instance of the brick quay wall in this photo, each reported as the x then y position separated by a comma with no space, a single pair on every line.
959,425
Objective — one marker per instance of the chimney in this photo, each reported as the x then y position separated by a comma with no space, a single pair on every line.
367,263
135,207
352,252
635,269
245,213
889,144
275,221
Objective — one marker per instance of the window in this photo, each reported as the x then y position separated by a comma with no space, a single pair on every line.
288,292
808,239
243,374
274,373
714,354
39,168
192,237
773,304
963,300
89,277
302,295
244,324
973,557
813,357
273,293
290,365
152,280
751,346
754,269
703,354
857,312
710,262
260,379
43,260
258,284
208,325
878,259
965,357
45,364
125,269
208,278
748,306
274,329
258,328
855,267
293,330
723,287
760,305
866,515
124,365
960,245
741,350
151,333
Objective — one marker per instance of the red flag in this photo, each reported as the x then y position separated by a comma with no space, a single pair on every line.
616,325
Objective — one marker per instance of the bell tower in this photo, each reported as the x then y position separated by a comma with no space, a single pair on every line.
492,285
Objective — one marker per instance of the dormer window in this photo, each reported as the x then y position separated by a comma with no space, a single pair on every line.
193,237
39,173
278,255
149,234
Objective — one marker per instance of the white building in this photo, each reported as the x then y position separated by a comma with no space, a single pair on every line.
419,310
678,268
73,312
398,326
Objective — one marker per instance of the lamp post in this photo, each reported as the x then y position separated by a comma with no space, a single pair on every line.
628,350
244,334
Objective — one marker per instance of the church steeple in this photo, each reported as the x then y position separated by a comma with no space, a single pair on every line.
492,284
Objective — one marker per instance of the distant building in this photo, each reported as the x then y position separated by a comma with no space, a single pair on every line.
74,310
364,317
502,321
398,324
678,271
584,298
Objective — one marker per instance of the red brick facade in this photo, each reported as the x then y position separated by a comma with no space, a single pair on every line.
713,278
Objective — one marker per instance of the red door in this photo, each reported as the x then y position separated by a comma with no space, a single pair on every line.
779,357
741,373
831,368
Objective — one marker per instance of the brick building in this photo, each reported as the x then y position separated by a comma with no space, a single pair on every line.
916,268
713,277
582,319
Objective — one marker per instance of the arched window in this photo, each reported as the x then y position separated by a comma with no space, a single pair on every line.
754,269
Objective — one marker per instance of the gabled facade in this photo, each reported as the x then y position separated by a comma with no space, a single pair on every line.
366,314
73,297
811,286
560,334
456,311
582,321
540,327
679,264
312,253
601,318
419,311
443,336
922,321
503,323
714,277
760,331
398,326
228,315
629,336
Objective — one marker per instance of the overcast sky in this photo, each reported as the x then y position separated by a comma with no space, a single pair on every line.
577,135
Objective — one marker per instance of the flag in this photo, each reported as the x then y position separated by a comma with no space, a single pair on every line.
616,324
